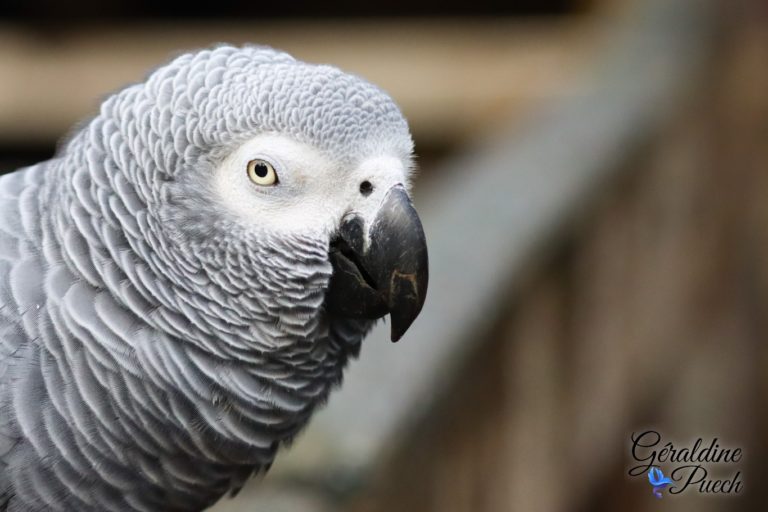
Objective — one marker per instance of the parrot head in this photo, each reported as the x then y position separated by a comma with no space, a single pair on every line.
276,184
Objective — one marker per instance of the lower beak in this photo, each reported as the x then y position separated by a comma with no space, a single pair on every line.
389,274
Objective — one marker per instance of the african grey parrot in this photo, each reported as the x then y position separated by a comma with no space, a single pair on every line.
184,282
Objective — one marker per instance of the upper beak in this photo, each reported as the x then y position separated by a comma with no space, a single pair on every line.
389,274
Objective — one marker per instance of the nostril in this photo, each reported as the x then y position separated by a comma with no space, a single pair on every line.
366,188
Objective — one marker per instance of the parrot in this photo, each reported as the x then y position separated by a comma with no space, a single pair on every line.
184,282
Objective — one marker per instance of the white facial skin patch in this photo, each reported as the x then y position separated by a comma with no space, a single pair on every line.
312,193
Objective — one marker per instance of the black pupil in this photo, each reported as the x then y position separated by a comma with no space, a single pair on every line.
261,170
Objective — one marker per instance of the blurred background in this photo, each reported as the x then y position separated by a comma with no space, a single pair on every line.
594,187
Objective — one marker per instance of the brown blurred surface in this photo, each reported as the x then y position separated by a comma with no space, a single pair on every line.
453,78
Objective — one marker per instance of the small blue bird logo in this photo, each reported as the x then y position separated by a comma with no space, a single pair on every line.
658,480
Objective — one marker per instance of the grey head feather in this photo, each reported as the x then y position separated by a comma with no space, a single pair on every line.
153,352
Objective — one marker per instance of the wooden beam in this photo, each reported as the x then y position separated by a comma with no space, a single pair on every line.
453,78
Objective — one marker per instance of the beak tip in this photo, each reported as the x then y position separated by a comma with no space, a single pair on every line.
400,323
406,298
395,336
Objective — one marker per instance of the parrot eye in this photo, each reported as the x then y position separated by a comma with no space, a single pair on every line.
262,173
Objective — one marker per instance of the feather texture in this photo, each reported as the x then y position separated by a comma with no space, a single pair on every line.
154,353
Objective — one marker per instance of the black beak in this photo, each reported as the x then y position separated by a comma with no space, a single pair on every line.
390,275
